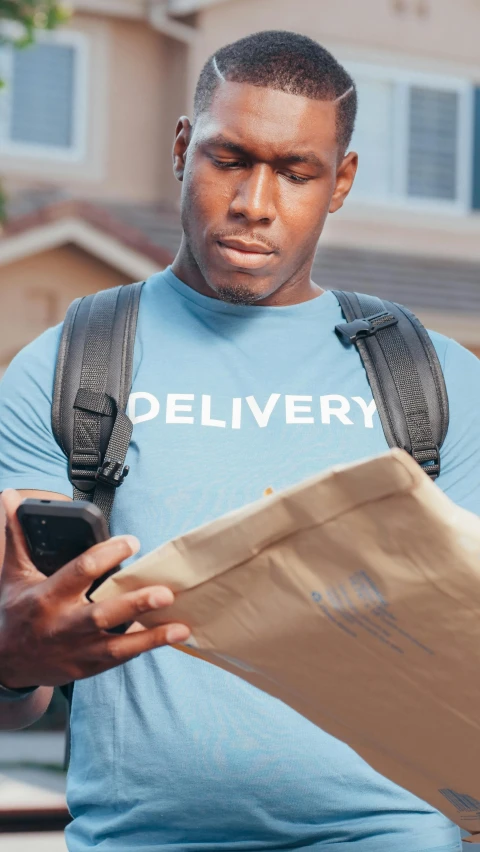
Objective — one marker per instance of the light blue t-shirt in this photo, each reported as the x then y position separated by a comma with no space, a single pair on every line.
168,752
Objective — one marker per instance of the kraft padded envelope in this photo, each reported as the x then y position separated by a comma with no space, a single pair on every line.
354,597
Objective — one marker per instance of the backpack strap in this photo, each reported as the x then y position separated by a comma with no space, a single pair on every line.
403,371
92,385
93,380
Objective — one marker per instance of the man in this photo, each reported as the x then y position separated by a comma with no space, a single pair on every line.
239,383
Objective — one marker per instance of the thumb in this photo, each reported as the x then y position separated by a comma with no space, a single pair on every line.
17,562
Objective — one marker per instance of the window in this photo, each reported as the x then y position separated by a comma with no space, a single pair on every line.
43,106
433,143
374,138
414,138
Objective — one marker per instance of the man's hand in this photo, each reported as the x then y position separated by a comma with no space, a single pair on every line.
50,634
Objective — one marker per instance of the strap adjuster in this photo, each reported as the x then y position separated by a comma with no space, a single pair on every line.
111,472
428,458
358,329
82,468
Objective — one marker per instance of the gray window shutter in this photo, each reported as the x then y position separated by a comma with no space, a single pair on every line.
476,154
43,95
432,148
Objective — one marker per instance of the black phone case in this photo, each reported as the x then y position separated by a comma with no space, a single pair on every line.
57,531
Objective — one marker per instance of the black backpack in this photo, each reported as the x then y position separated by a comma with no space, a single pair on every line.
94,377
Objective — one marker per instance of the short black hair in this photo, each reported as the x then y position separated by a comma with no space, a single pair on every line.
278,59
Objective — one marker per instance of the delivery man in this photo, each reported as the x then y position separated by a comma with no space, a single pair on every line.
239,383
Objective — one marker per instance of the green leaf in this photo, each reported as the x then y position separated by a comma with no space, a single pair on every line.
34,14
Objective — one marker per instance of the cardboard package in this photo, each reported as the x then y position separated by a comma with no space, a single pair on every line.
353,597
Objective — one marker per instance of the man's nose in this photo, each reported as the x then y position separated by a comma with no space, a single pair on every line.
254,199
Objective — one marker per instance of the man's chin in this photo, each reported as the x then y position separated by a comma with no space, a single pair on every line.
238,295
241,289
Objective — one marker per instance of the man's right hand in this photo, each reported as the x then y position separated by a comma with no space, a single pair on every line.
50,634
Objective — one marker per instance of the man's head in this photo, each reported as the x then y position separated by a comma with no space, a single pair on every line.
263,164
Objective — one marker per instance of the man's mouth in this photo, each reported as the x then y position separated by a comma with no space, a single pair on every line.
244,254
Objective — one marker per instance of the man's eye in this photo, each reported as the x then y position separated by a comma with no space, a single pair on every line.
297,179
226,164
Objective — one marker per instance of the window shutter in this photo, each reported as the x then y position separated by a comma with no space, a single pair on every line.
373,139
476,152
432,149
42,95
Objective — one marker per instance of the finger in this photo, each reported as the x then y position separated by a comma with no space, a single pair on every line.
120,649
78,575
17,561
124,608
136,627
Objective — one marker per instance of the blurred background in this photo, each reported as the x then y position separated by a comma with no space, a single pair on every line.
87,117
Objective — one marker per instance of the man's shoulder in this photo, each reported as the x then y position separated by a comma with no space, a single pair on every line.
454,357
36,357
441,344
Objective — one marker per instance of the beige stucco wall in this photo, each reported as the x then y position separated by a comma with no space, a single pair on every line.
144,80
447,33
35,293
136,87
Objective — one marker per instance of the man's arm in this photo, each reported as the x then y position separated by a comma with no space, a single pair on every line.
460,454
51,634
16,715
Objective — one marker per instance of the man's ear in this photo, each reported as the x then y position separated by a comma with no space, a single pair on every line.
345,176
183,135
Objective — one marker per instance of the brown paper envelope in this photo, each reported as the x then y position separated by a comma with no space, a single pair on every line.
353,597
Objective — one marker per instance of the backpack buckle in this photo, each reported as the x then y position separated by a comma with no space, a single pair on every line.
358,329
111,472
82,468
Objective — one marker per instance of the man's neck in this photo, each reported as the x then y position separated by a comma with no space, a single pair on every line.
300,288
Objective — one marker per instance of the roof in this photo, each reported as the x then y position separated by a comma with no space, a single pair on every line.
427,285
132,225
45,220
416,282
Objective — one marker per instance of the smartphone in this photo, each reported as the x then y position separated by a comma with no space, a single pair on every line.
57,531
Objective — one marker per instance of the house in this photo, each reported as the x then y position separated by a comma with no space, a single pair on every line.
87,122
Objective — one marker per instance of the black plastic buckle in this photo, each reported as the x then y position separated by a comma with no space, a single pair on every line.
82,468
358,329
111,472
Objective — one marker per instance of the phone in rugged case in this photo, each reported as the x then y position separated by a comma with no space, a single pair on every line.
58,531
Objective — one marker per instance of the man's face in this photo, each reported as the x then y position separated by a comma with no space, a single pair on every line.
261,170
